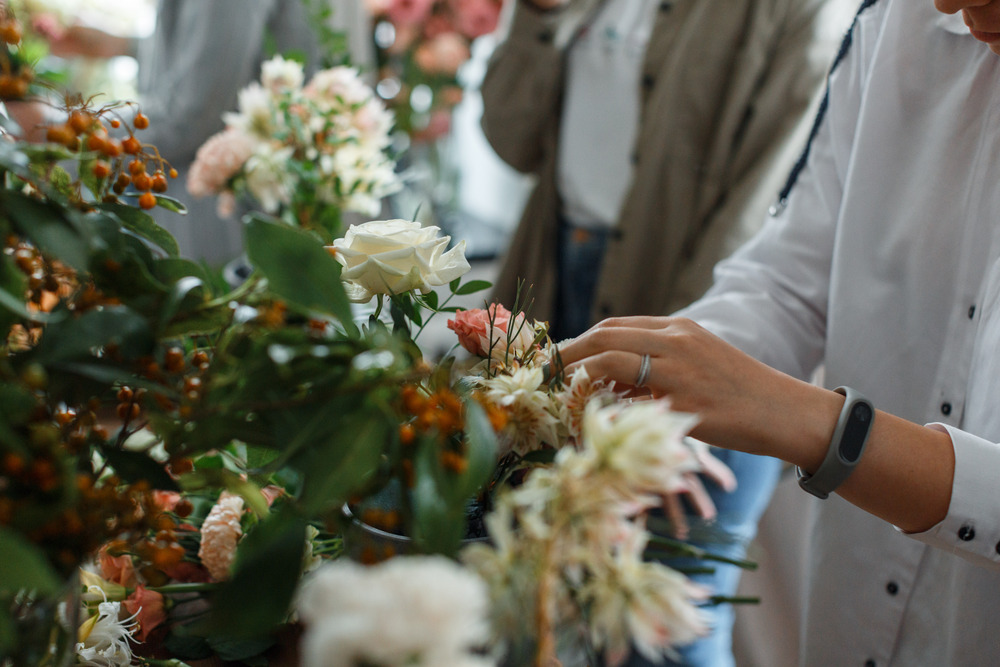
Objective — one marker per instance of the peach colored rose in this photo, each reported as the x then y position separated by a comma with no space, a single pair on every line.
116,569
149,606
482,338
442,55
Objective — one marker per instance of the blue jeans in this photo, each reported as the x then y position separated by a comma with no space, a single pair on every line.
580,255
735,526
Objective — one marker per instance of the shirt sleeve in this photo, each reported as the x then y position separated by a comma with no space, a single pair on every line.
971,528
770,298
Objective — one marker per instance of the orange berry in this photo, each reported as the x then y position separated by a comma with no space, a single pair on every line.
131,146
12,87
407,434
112,148
136,167
80,121
173,360
125,394
142,182
101,169
159,182
173,173
60,134
115,123
141,121
96,142
147,200
10,31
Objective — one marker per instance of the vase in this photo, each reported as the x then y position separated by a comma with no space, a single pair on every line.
44,627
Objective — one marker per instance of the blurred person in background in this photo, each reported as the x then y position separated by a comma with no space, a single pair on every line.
660,131
191,69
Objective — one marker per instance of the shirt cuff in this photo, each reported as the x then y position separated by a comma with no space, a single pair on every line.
971,528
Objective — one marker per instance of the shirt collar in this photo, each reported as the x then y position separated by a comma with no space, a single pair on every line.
953,23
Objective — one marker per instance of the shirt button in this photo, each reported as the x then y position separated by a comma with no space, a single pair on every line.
972,311
966,533
634,158
892,587
647,81
869,663
666,6
605,310
997,547
946,409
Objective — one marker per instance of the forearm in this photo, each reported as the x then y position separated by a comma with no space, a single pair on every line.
904,476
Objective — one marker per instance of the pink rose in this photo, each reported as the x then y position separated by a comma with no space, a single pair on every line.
442,55
475,333
149,605
408,12
476,17
116,569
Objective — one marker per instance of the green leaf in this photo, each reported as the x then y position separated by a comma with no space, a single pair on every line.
241,650
185,291
141,223
481,441
298,269
136,466
24,565
257,598
49,227
76,339
472,287
171,204
438,525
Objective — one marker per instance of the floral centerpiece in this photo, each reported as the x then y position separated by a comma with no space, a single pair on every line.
306,151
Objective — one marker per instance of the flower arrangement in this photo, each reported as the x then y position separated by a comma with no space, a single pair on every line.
176,455
420,47
303,150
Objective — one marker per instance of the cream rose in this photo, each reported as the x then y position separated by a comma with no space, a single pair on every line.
396,256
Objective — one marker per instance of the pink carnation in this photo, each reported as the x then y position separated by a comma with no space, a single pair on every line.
218,160
408,12
476,17
149,607
219,535
442,55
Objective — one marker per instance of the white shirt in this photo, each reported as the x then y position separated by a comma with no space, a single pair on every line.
600,116
885,267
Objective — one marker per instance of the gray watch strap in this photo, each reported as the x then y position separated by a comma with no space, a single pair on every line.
846,446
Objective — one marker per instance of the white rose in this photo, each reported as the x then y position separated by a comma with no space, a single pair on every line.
396,256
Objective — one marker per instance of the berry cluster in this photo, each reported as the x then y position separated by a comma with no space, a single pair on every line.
115,164
15,74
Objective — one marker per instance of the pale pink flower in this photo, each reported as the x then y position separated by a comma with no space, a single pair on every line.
475,17
443,54
218,160
220,533
572,398
409,11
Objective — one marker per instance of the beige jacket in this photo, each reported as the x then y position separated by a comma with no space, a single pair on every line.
728,91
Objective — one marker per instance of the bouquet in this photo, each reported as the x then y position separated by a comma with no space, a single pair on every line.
420,48
305,151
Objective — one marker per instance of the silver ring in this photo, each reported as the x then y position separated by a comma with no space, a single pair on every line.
645,364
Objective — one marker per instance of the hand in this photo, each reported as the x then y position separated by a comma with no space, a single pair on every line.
741,403
81,40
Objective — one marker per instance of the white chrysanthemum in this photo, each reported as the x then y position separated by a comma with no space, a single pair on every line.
279,75
337,87
416,610
365,177
257,116
647,604
641,442
268,178
571,399
105,640
531,422
220,532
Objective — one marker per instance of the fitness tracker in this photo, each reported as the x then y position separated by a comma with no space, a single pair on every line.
846,446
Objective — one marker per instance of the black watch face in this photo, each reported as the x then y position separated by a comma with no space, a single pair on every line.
855,432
